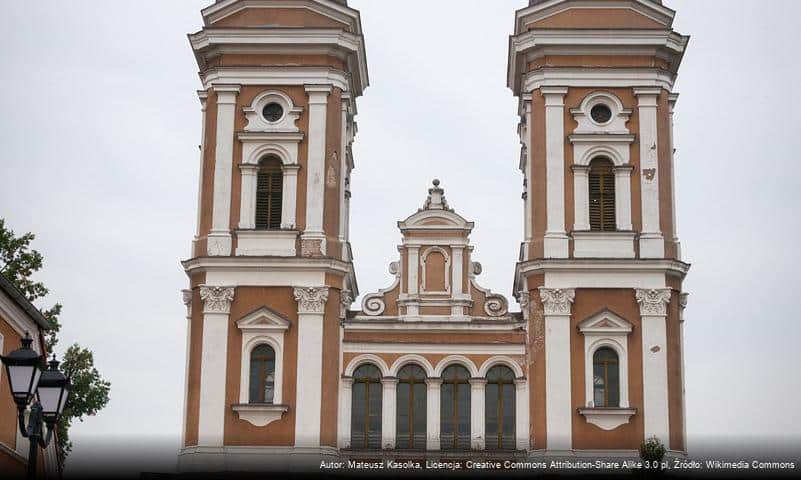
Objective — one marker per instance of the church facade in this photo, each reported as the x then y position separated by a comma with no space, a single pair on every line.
282,371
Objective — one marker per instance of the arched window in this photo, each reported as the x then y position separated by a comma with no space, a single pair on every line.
262,374
411,408
500,408
606,378
269,192
455,409
365,429
602,195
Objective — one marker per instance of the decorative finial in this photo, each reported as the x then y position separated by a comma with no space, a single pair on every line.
436,198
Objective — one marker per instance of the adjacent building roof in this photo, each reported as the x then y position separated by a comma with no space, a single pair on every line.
15,295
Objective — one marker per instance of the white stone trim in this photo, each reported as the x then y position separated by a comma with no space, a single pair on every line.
203,97
315,165
262,327
255,146
513,364
424,348
411,359
558,402
219,238
280,243
257,122
606,329
597,78
278,76
653,313
522,425
311,309
389,399
213,364
556,241
614,126
478,388
186,296
447,273
433,413
412,252
592,244
607,418
456,360
259,415
652,244
343,421
360,360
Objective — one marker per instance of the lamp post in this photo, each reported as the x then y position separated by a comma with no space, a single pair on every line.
46,389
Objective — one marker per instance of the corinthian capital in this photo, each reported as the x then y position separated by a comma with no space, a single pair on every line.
556,301
216,299
653,301
311,299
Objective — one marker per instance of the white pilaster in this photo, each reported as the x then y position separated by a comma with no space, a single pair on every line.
203,96
652,245
683,304
432,413
522,441
653,312
289,196
623,197
528,221
315,169
211,418
556,240
343,423
388,408
558,403
343,167
186,295
219,239
672,99
311,310
457,273
247,204
478,387
581,197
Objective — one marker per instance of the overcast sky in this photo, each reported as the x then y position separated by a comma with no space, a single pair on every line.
99,128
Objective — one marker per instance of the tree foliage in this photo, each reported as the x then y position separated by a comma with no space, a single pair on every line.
90,391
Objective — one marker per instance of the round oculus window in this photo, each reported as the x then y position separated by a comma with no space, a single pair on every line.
601,113
273,112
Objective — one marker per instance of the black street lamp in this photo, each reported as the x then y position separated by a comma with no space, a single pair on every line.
48,389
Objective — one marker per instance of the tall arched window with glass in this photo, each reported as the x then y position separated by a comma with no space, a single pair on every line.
365,429
411,408
269,194
455,409
262,374
500,409
606,378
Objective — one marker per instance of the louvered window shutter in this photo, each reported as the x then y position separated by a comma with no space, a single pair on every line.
269,186
602,196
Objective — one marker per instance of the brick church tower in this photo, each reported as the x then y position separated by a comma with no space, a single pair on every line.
270,271
600,267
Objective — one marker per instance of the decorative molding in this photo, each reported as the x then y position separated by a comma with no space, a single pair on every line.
257,122
345,300
259,414
447,277
496,306
653,301
607,418
216,299
311,299
556,301
311,247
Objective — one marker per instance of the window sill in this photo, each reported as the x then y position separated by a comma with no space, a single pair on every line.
599,244
275,243
607,418
259,414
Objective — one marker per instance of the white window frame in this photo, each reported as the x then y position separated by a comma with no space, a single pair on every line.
262,327
606,329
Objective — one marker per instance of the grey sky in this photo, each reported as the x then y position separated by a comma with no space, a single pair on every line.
98,156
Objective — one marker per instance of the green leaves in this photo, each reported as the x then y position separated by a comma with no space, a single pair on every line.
90,392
